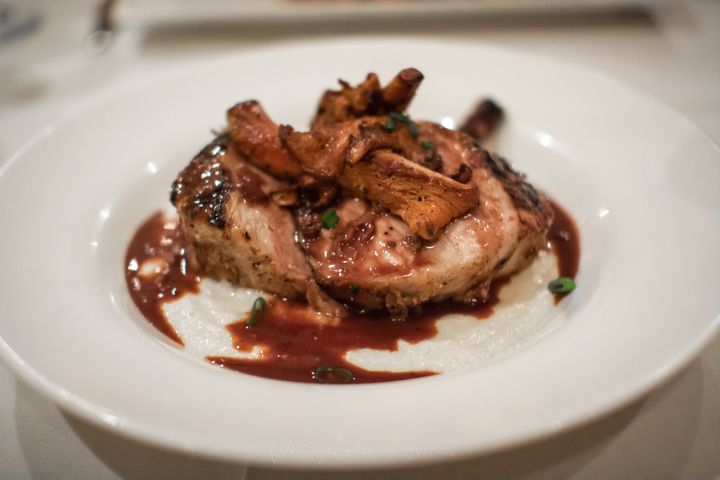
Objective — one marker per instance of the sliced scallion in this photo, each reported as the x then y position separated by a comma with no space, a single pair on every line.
562,285
330,218
398,117
330,374
257,312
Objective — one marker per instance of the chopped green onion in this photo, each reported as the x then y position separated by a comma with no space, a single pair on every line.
329,374
330,218
399,117
353,289
427,145
390,125
562,285
257,313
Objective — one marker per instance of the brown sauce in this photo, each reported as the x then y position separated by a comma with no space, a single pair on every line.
293,342
163,244
564,240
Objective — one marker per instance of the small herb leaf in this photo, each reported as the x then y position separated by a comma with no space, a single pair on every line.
427,145
562,285
399,117
257,313
390,125
330,218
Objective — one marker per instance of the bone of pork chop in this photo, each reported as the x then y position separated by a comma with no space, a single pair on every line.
236,232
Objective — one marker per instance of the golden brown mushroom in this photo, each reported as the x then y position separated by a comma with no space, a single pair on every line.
367,98
256,136
426,200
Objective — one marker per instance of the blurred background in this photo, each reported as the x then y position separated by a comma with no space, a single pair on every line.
56,56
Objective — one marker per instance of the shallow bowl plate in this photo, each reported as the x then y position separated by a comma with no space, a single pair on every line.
640,180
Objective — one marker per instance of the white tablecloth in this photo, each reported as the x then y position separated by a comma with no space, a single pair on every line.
672,52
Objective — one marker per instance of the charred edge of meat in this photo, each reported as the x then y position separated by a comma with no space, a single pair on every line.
533,209
522,193
207,182
483,120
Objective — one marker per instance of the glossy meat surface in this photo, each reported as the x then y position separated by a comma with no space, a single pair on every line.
371,260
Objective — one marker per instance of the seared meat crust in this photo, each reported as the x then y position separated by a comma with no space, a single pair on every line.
237,233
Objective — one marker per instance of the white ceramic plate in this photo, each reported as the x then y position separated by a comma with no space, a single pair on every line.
640,180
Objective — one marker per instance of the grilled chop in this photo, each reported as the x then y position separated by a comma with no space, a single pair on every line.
424,213
236,231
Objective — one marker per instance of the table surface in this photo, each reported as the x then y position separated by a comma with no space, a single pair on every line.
671,51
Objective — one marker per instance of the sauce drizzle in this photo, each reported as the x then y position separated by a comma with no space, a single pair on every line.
564,241
295,343
157,270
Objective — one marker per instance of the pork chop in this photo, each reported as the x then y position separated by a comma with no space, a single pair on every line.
237,233
424,213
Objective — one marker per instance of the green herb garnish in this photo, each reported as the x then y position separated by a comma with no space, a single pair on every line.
330,218
257,313
398,117
329,374
427,145
353,289
562,285
390,125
